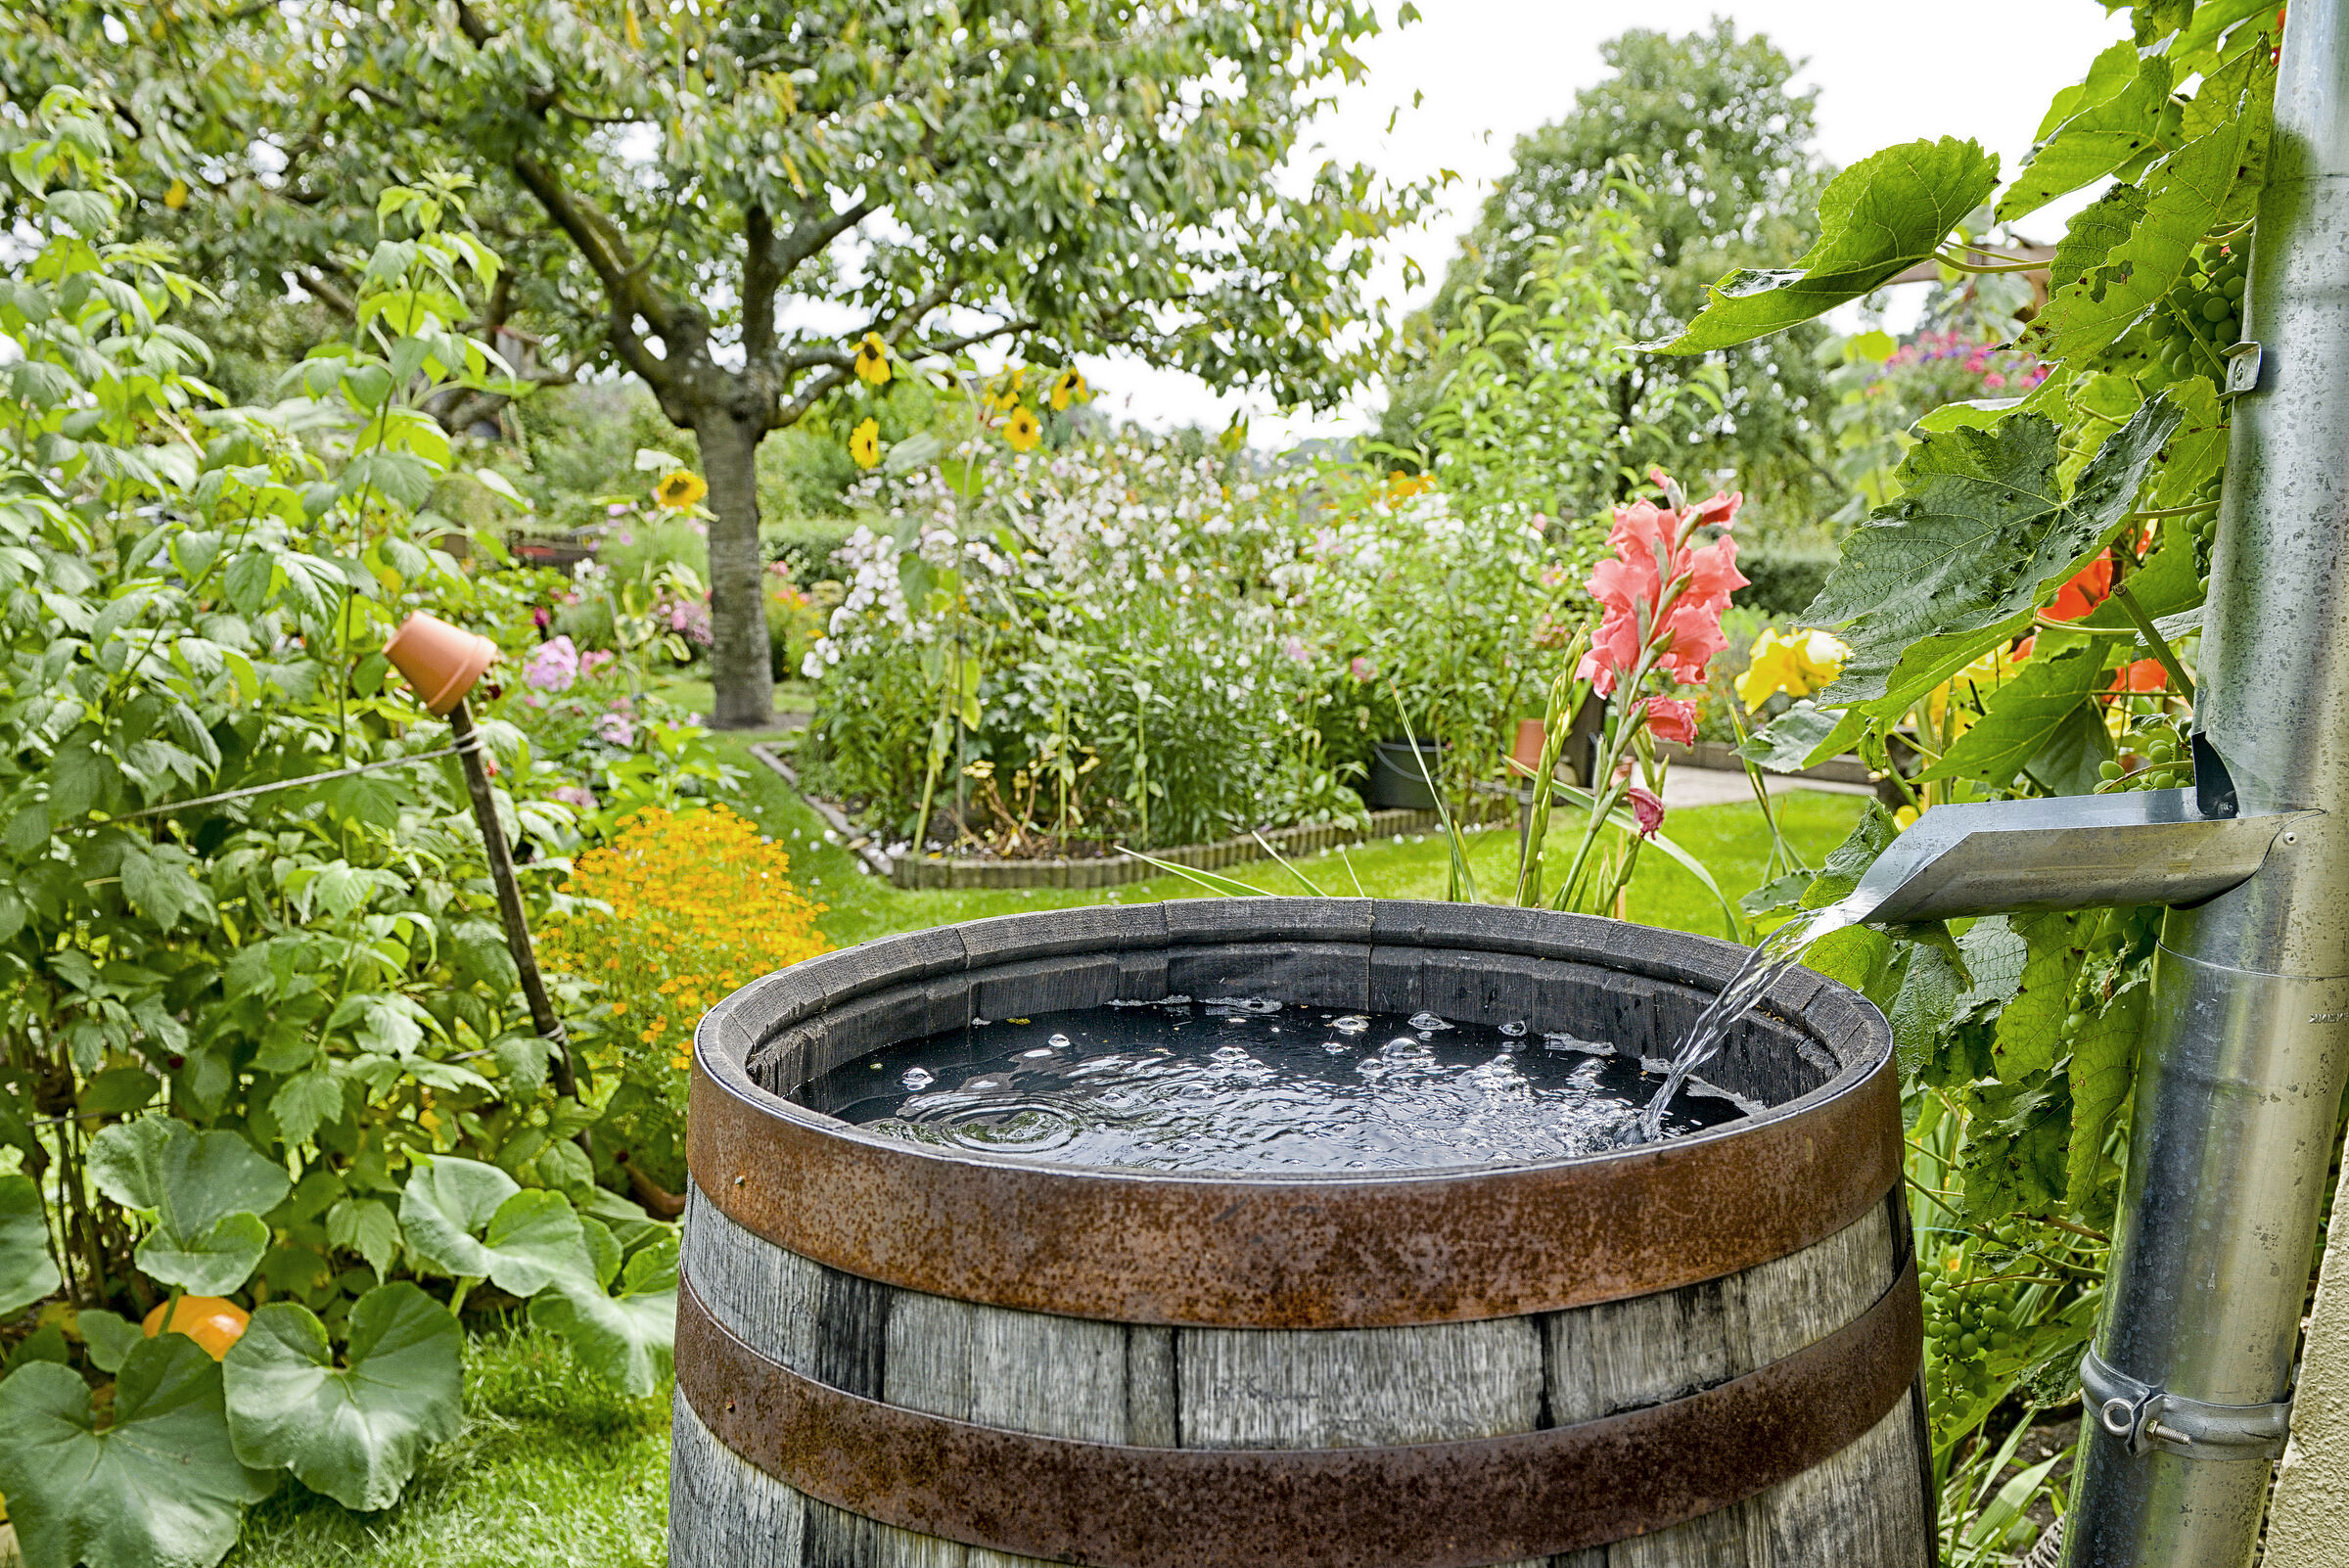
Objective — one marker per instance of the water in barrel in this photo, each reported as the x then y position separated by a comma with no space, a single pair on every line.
1250,1083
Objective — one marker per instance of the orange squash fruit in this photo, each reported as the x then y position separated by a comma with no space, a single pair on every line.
211,1322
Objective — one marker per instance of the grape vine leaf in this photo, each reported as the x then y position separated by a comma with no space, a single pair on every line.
2102,135
158,1488
1876,219
27,1272
1803,736
2031,1026
2022,715
1981,532
624,1337
2070,761
206,1192
1921,1008
2013,1158
356,1431
2104,1067
2186,196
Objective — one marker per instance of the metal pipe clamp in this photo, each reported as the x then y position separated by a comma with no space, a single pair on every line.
2154,1420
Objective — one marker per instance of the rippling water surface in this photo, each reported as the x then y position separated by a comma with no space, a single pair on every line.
1245,1084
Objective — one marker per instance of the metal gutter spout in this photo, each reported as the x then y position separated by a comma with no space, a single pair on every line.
2070,851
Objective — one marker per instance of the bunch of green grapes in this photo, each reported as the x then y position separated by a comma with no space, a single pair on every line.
2163,760
2206,528
2192,326
1971,1315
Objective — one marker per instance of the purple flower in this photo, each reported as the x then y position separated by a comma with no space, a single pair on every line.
574,795
1297,651
616,729
553,666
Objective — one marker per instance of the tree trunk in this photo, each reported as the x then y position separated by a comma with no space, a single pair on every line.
739,656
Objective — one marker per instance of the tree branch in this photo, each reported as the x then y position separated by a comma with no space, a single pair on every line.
761,278
796,409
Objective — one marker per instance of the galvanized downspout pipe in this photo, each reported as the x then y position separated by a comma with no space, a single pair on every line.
2248,1047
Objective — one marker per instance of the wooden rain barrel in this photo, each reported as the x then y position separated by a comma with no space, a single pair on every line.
1696,1353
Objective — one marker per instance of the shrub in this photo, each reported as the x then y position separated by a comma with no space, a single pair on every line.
673,913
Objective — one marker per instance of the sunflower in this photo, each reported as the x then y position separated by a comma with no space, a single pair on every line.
1022,430
864,444
1068,388
872,361
1005,395
681,489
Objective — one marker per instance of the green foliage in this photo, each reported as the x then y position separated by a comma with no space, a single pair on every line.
27,1273
239,1023
1982,533
353,1432
1701,150
1876,219
1081,177
158,1486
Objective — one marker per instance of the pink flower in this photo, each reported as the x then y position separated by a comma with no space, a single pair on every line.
594,659
1647,811
553,666
616,509
1653,560
1672,718
1362,668
540,618
1555,575
1297,651
574,795
616,729
1994,381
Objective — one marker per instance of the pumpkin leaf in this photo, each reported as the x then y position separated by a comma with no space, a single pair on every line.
26,1270
205,1192
525,1238
354,1432
159,1488
624,1337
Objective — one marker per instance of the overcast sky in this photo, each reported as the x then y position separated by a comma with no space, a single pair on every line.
1886,71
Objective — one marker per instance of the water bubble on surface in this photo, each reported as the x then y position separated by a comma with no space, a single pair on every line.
1213,1088
1059,1042
1350,1024
1515,1028
1244,1004
1429,1023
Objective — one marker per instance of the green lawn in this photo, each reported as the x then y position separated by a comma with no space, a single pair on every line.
554,1469
1730,840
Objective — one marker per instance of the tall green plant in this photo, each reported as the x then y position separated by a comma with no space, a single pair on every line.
2069,528
240,1032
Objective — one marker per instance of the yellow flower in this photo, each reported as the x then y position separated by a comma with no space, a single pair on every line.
872,360
1004,395
177,195
1068,388
679,490
1797,662
1022,430
864,444
1905,819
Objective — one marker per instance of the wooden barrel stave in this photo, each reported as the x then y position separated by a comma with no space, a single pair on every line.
1155,1386
1145,1385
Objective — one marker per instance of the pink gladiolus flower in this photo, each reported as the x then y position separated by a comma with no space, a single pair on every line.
1653,562
1647,811
553,666
1672,718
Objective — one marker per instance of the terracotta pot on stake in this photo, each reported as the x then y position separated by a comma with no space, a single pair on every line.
442,663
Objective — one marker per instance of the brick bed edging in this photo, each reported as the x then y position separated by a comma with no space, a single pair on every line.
1099,871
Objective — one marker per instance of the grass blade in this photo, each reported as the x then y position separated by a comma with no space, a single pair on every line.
1622,818
1200,877
1285,865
